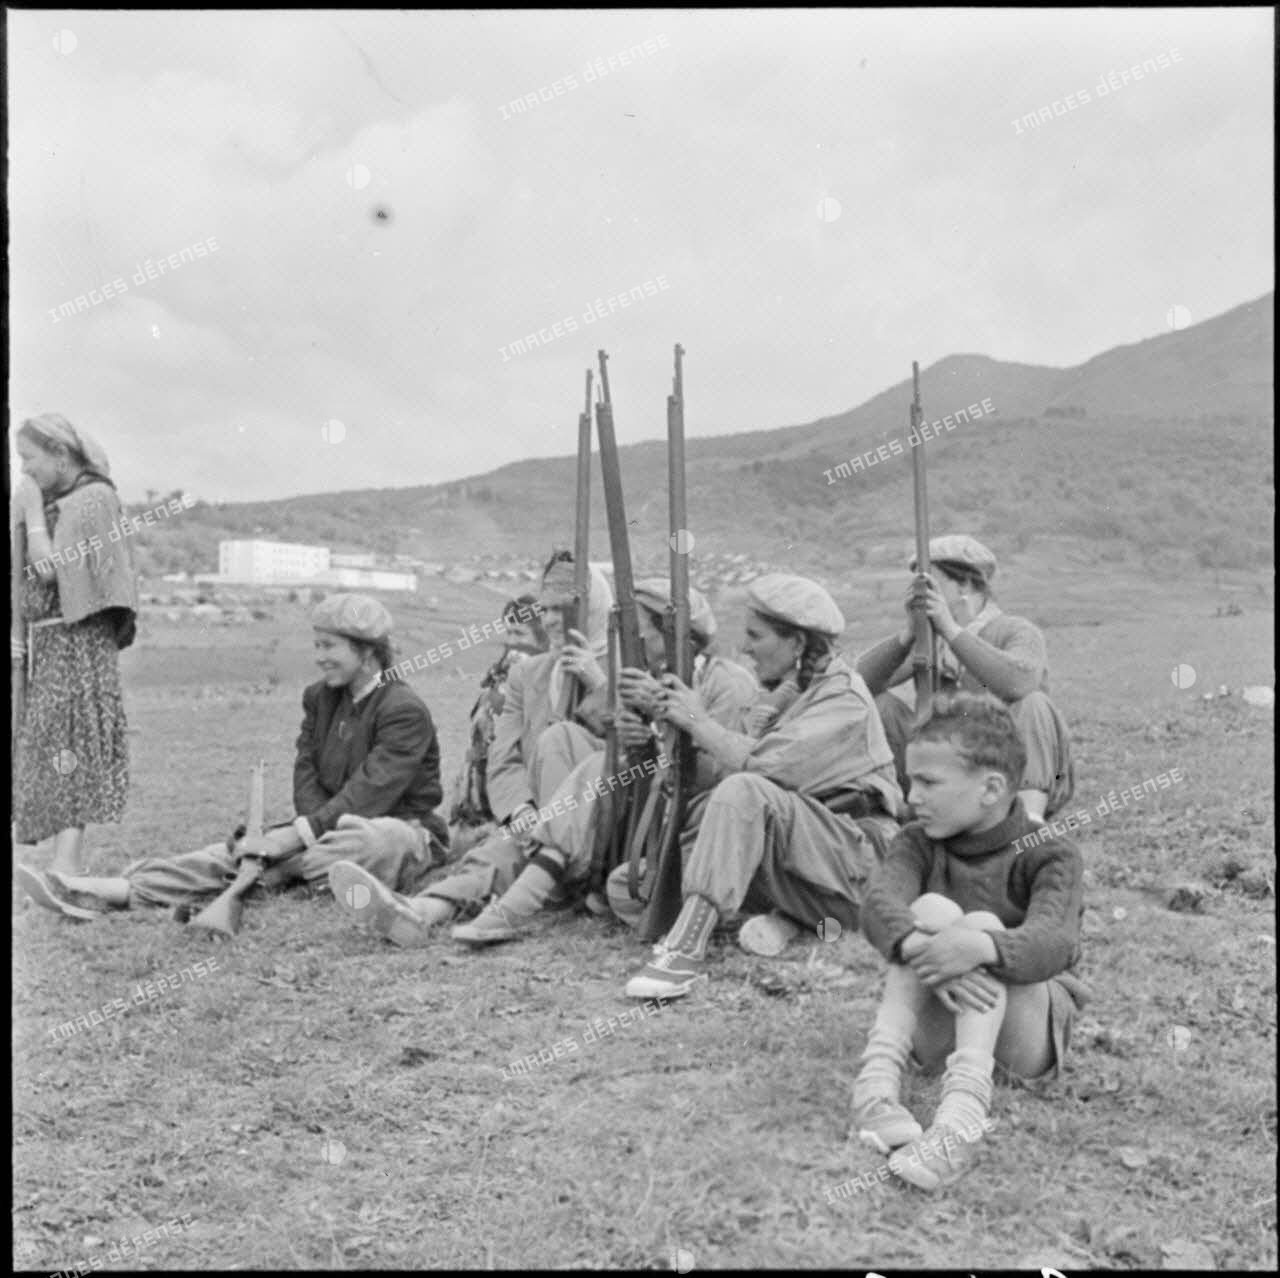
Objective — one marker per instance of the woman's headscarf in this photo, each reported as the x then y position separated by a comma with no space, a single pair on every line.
53,428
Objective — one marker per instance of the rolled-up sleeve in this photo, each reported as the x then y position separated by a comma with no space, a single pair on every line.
1013,669
885,665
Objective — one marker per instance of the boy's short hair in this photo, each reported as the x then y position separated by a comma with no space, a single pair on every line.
981,730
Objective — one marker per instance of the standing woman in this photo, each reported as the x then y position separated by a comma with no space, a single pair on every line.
79,607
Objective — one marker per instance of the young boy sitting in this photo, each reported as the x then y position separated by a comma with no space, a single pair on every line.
979,927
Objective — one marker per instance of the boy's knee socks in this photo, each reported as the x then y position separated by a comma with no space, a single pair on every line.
885,1055
966,1091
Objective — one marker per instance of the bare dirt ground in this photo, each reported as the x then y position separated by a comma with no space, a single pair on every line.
321,1099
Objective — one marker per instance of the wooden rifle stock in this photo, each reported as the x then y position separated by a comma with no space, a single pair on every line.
221,917
661,850
923,650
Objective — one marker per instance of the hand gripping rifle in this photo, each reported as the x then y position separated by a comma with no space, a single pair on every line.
625,645
221,918
924,665
581,548
661,846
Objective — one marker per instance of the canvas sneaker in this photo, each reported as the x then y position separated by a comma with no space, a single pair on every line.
941,1156
668,974
369,903
51,891
494,923
884,1124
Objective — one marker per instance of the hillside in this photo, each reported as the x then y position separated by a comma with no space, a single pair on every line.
1158,454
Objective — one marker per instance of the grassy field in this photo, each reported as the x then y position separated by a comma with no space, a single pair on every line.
321,1099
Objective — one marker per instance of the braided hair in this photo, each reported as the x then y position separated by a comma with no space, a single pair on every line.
817,653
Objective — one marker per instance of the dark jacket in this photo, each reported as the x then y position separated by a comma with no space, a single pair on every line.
378,758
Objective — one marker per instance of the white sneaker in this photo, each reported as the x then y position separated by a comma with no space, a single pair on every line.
368,902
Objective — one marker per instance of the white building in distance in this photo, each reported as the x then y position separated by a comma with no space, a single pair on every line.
271,560
276,562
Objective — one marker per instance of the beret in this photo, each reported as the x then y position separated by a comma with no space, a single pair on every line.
796,601
353,616
960,548
655,593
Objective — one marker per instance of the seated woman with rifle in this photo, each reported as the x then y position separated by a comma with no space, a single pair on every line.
808,802
568,836
471,818
543,733
366,783
981,649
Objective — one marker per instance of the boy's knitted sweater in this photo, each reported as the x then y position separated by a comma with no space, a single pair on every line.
1037,892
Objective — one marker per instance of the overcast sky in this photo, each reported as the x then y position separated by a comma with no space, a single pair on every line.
824,195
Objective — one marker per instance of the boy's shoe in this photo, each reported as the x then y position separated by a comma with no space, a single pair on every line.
494,923
884,1124
368,902
597,904
668,974
768,934
941,1156
50,891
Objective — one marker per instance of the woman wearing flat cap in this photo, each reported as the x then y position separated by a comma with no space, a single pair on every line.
566,836
366,783
980,648
79,602
808,801
552,718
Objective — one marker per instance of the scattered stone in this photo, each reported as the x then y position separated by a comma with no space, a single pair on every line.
1182,1254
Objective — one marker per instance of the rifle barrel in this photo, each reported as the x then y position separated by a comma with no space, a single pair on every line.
624,588
922,649
582,514
257,799
677,518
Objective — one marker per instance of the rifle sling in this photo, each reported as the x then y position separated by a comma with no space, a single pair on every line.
639,844
553,867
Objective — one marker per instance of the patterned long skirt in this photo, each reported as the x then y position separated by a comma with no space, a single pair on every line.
73,762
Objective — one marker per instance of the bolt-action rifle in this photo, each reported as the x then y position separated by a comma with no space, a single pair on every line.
659,845
221,918
924,665
573,690
617,808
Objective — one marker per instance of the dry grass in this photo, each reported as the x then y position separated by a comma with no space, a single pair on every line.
324,1100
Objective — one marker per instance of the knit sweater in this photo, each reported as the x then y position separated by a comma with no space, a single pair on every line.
1006,657
1037,892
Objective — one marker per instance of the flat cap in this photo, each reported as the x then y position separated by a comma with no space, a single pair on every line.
796,601
960,548
655,593
353,616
